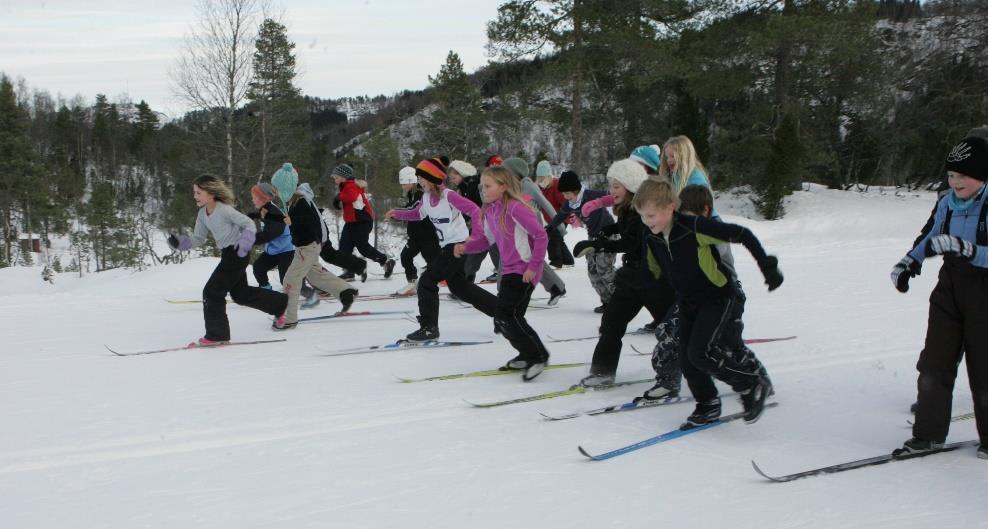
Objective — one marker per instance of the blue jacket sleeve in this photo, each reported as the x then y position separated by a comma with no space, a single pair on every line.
939,217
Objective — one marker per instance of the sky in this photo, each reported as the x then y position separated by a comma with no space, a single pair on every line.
343,47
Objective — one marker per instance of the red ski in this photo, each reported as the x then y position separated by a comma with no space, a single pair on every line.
193,345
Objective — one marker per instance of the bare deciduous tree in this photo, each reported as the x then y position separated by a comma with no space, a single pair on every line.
215,68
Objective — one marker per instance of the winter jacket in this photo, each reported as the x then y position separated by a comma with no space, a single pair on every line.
690,261
470,188
961,219
420,231
554,196
274,232
354,203
630,232
521,240
445,210
307,224
595,222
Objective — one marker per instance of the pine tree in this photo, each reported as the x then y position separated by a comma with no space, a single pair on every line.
16,159
456,126
276,103
782,171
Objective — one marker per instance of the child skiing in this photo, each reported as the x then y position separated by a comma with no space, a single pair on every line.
681,249
698,201
274,234
509,222
234,234
551,282
421,233
600,265
308,233
957,317
445,209
631,289
464,177
559,254
358,218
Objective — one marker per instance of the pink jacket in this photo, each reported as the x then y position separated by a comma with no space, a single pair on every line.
521,241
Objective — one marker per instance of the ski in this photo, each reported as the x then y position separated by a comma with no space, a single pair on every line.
747,341
668,436
489,373
349,314
573,390
192,345
617,408
552,339
371,297
400,345
861,463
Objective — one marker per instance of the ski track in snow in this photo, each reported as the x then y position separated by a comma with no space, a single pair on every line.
274,435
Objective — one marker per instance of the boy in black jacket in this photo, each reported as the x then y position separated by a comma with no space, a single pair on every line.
682,248
308,233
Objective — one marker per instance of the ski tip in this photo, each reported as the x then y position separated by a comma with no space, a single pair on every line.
763,474
403,380
112,351
587,454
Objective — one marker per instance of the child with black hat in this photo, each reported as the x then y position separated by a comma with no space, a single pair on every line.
957,317
445,209
600,265
358,218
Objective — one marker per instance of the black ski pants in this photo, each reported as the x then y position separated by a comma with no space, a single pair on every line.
412,248
513,296
957,326
448,267
230,276
266,262
357,235
344,260
626,302
558,252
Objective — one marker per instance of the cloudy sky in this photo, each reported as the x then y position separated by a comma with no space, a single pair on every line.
343,47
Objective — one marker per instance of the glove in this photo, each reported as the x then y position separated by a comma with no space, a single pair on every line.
949,245
903,271
595,204
336,202
245,243
770,269
585,248
181,243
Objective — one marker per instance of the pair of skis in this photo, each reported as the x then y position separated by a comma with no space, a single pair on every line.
747,341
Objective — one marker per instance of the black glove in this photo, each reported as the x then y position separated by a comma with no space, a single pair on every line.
950,245
586,248
336,202
173,241
903,271
770,269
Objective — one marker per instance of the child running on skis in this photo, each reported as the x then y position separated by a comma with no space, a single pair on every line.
632,287
421,234
358,220
600,265
698,201
234,234
308,233
957,316
509,222
682,248
274,235
445,209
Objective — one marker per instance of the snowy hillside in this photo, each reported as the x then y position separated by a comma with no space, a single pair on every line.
281,436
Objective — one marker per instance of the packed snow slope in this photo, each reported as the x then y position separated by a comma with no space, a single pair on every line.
281,436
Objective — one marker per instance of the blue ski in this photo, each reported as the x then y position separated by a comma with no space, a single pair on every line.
668,436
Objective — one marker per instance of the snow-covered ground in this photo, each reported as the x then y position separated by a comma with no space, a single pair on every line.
278,436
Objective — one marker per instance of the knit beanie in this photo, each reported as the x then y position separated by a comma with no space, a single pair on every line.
494,160
543,168
568,181
970,157
264,191
628,173
463,168
433,170
407,175
285,180
649,155
517,166
343,170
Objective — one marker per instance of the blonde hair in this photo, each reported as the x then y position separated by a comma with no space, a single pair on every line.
512,190
216,187
656,193
686,161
